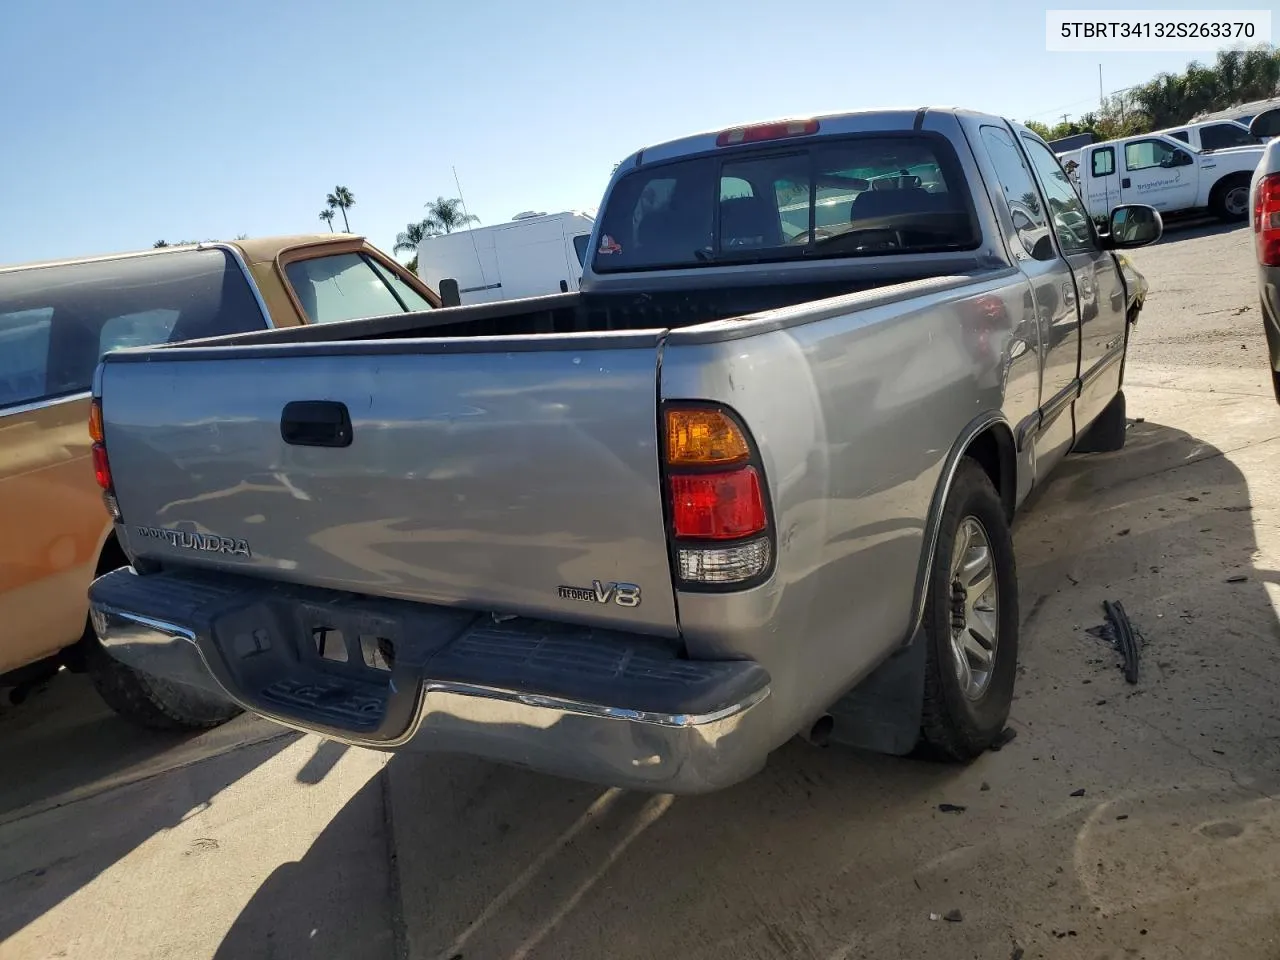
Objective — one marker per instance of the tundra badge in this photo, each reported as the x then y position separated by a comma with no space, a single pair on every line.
203,542
623,594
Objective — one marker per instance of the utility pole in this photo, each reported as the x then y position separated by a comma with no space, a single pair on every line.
1102,97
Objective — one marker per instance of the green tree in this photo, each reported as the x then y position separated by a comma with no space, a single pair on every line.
327,216
160,243
412,265
411,236
343,200
446,216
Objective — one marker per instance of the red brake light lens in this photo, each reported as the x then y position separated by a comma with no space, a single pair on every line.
101,468
767,131
1266,220
718,506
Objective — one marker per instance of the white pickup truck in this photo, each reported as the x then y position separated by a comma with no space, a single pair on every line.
1164,173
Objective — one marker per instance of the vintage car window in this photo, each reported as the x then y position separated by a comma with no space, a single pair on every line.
342,286
24,354
1019,192
56,321
413,301
137,329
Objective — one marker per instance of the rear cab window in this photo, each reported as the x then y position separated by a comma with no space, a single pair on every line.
848,197
350,286
58,321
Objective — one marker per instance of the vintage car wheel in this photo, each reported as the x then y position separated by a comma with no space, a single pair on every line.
149,701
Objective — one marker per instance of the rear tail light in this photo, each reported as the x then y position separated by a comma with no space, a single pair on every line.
1266,220
101,465
716,499
756,133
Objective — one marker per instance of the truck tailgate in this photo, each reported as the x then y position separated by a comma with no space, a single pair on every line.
486,475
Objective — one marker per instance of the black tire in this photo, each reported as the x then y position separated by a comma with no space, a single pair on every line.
149,701
954,725
1107,433
1218,198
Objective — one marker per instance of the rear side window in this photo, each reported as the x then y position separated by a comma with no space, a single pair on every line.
854,197
1181,135
349,286
580,248
57,322
1020,193
1104,162
1220,136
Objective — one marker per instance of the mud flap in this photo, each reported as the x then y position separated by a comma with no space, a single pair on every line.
883,712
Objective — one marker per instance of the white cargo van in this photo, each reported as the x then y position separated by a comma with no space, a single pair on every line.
531,255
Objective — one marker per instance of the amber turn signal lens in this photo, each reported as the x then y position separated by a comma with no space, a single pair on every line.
95,422
704,437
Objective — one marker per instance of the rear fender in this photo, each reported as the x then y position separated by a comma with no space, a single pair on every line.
883,712
995,423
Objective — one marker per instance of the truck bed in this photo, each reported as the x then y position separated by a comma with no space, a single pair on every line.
608,312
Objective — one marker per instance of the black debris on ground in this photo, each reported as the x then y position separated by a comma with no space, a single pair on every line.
985,786
1078,793
951,808
1237,578
1006,737
1120,633
954,916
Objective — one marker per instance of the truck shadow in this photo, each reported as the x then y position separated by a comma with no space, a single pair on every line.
1195,228
832,854
50,854
66,742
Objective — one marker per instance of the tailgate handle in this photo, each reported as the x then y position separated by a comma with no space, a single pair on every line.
316,423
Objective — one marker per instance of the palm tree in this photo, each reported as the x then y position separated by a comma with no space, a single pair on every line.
411,236
161,243
412,265
445,216
341,199
327,216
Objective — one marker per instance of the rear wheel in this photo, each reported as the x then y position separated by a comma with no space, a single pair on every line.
970,621
1229,201
149,701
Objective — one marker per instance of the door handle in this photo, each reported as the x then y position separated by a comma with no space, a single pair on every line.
316,423
564,286
1125,183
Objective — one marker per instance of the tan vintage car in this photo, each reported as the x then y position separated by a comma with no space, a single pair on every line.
56,321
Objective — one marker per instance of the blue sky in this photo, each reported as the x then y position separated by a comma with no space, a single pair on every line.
135,120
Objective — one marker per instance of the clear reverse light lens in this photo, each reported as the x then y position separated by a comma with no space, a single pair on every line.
723,564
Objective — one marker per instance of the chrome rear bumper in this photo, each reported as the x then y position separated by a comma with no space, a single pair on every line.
579,737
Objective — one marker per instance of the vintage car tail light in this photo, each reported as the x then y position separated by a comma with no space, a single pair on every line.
1266,220
716,502
101,465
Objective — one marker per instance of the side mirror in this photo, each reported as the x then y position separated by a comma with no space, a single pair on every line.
449,295
1133,225
1266,124
1184,159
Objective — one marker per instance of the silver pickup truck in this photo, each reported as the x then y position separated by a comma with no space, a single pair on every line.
754,480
